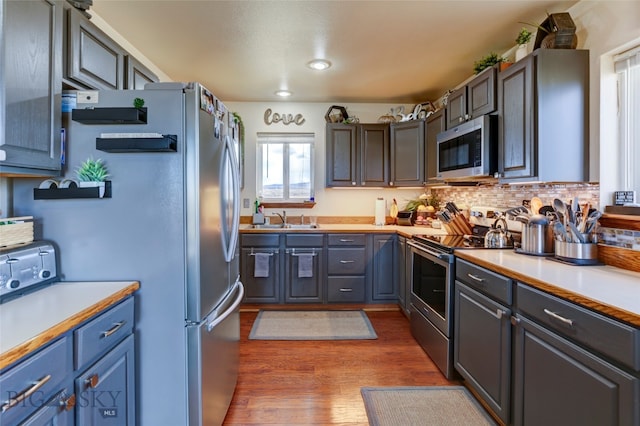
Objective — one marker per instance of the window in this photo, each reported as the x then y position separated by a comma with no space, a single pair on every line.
285,167
627,67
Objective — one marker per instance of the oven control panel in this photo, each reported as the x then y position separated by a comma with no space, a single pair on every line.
26,266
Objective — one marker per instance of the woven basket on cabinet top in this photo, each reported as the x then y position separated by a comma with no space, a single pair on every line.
16,230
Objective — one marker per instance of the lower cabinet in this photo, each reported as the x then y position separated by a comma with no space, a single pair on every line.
384,280
260,267
346,268
84,378
482,347
304,277
105,393
401,273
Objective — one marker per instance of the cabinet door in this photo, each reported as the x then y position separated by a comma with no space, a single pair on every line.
341,155
93,58
434,125
31,87
137,74
402,274
383,275
457,107
407,153
260,289
374,154
557,382
105,393
59,411
482,347
299,286
516,148
481,93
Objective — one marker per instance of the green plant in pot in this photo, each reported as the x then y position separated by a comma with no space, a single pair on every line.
92,173
524,36
488,61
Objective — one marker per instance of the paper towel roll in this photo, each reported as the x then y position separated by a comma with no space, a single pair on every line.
380,205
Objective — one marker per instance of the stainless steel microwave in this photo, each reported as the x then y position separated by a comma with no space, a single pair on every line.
469,150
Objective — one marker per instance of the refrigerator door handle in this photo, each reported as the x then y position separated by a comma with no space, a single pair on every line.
235,182
213,323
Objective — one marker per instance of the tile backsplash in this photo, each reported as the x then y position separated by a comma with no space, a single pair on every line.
513,195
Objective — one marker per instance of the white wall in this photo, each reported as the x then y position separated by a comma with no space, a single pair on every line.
605,28
329,201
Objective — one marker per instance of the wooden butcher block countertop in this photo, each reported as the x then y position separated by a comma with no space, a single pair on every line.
31,321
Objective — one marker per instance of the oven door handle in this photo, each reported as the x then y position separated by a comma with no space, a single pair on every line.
442,256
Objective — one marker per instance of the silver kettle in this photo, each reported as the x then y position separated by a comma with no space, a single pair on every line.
498,236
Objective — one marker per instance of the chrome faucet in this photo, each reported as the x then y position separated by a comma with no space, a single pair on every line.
282,217
301,219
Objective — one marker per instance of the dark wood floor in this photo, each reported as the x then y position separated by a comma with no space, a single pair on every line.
318,382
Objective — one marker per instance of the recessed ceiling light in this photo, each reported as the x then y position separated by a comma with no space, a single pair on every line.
319,64
283,93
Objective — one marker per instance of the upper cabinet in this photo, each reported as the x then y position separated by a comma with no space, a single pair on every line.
407,153
435,124
476,98
31,87
544,117
95,61
357,154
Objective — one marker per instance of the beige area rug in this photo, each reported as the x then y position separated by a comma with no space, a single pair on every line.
312,325
431,405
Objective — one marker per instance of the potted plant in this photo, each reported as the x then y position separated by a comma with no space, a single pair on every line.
92,173
488,61
524,36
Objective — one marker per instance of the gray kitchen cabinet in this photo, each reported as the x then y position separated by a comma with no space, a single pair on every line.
543,103
568,358
93,59
258,287
347,256
384,282
31,87
357,155
482,334
137,75
476,98
86,377
105,392
435,124
304,284
407,153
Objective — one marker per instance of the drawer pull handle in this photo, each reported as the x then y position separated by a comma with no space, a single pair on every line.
113,329
476,278
67,404
26,394
499,313
347,261
344,240
558,317
92,381
346,290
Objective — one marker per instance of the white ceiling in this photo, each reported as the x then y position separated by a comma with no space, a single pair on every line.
382,51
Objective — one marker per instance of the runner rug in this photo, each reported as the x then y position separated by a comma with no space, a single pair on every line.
312,325
431,405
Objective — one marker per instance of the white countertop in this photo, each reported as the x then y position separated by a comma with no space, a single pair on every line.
36,318
600,286
353,227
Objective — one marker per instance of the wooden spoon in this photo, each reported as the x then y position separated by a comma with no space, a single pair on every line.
536,204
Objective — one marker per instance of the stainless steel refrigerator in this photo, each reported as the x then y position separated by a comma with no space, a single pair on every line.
171,222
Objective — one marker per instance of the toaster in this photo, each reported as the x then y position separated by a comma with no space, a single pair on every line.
405,218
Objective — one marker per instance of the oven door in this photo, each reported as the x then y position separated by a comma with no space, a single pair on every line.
432,275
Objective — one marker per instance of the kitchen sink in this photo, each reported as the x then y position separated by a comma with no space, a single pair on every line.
283,226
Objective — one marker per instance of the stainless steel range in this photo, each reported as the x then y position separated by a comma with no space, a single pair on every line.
432,284
26,268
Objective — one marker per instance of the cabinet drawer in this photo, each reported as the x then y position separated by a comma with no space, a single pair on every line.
304,240
347,239
255,240
487,282
36,378
102,333
607,336
346,261
345,289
